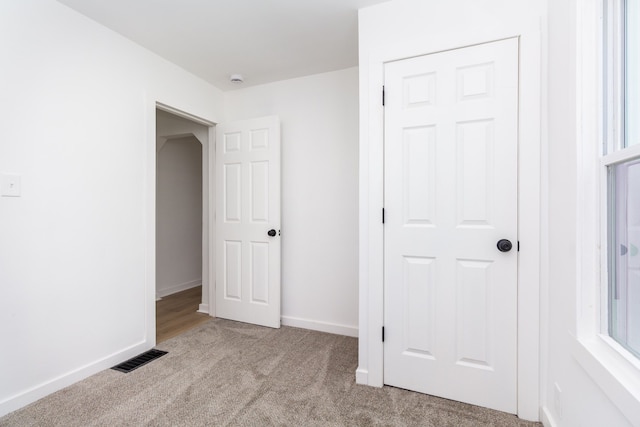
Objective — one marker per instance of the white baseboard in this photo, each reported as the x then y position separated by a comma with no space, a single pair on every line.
39,391
316,325
203,308
177,288
362,376
547,418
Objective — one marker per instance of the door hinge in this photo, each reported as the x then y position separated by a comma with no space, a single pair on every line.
383,215
383,334
383,96
518,245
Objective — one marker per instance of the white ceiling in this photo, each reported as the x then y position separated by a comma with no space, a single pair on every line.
264,40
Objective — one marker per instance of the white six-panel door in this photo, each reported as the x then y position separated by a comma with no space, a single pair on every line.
450,196
247,208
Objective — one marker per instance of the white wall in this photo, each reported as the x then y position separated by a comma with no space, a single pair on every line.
77,249
319,116
179,216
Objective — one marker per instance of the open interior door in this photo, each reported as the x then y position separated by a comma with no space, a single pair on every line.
247,238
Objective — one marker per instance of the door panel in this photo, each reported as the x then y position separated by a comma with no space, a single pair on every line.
232,270
450,195
232,192
248,206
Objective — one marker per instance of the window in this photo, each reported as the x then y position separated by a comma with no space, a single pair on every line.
622,161
608,263
632,72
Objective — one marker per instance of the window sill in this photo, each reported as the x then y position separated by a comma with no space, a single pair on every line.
618,377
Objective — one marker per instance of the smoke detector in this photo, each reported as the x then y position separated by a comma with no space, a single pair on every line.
236,78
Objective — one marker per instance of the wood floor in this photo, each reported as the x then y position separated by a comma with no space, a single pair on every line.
176,313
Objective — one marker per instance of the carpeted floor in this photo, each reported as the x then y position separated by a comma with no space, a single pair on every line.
225,373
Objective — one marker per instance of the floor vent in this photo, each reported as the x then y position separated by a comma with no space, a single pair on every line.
139,360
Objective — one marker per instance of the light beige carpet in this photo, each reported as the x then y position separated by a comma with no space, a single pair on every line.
225,373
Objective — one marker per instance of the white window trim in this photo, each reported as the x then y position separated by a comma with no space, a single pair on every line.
612,368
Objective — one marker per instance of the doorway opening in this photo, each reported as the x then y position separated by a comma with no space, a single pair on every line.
182,224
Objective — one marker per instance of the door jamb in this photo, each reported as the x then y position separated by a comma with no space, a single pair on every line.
530,205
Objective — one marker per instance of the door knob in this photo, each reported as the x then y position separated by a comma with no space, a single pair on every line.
504,245
271,232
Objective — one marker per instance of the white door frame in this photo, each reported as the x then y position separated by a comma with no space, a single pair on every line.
208,226
530,204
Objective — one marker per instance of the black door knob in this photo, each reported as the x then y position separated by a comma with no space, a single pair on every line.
504,245
271,232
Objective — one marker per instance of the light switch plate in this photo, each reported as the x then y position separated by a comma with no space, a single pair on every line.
10,185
